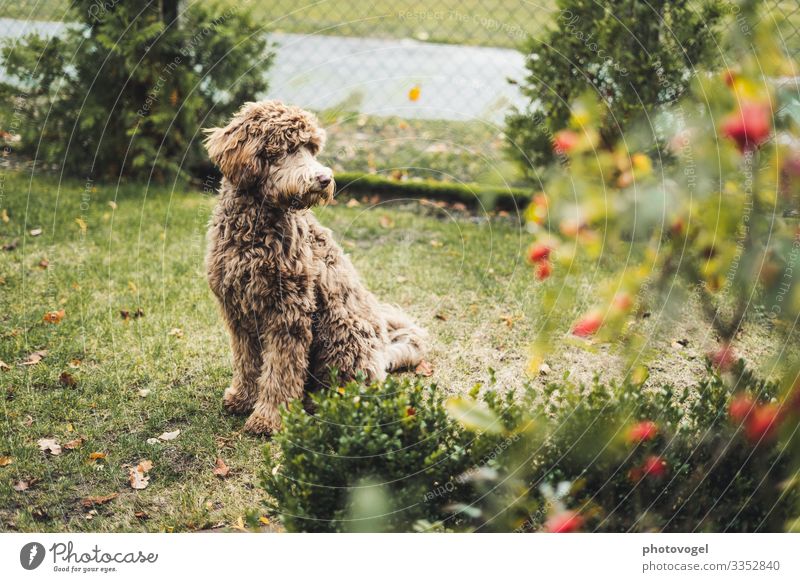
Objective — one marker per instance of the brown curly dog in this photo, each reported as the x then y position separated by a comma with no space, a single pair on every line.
293,303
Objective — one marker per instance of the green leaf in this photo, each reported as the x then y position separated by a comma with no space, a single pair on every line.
473,415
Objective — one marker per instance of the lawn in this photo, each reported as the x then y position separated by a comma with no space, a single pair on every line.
140,350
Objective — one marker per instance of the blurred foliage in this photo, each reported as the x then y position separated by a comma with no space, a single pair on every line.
632,55
126,90
400,457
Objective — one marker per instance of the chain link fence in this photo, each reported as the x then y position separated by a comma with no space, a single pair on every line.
405,89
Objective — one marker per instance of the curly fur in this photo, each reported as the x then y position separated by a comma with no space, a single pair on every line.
292,301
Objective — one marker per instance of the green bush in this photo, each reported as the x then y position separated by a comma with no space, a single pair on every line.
126,89
632,55
401,457
391,447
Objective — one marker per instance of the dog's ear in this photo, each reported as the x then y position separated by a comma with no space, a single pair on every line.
237,151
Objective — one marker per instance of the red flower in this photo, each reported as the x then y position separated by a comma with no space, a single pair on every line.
622,301
543,270
539,252
645,430
565,141
411,411
588,325
723,358
653,466
749,127
740,408
762,423
564,522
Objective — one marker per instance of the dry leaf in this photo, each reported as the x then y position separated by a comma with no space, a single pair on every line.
386,221
43,264
12,245
28,421
141,515
4,367
23,485
97,500
82,225
5,461
49,446
125,314
34,358
508,320
441,316
54,316
144,392
96,456
36,232
74,364
424,369
138,477
414,93
176,332
264,520
71,445
221,470
67,379
170,436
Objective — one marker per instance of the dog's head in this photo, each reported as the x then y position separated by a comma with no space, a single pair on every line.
270,148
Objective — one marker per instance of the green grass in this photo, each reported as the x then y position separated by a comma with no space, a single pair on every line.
502,23
147,254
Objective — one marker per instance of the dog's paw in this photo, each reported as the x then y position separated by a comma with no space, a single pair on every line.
236,401
263,425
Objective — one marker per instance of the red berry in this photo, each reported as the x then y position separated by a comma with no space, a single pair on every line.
654,466
564,522
588,325
642,431
762,423
740,408
538,252
723,358
749,127
543,270
565,141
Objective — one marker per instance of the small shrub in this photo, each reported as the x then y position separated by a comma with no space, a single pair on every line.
633,55
391,443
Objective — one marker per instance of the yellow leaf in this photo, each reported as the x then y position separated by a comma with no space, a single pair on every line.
264,520
82,224
414,93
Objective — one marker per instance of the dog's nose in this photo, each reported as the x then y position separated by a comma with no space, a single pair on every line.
324,179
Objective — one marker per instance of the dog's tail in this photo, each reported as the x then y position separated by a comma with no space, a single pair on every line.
407,340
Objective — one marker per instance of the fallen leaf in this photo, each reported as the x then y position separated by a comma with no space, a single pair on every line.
23,485
508,320
12,245
54,316
5,461
264,520
141,515
125,314
221,470
97,500
138,313
67,379
138,477
43,264
441,316
34,358
28,421
82,225
4,216
414,93
74,364
36,232
144,392
386,221
75,444
49,446
176,332
424,369
4,367
170,436
97,456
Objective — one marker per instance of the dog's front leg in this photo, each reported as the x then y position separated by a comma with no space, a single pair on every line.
284,367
